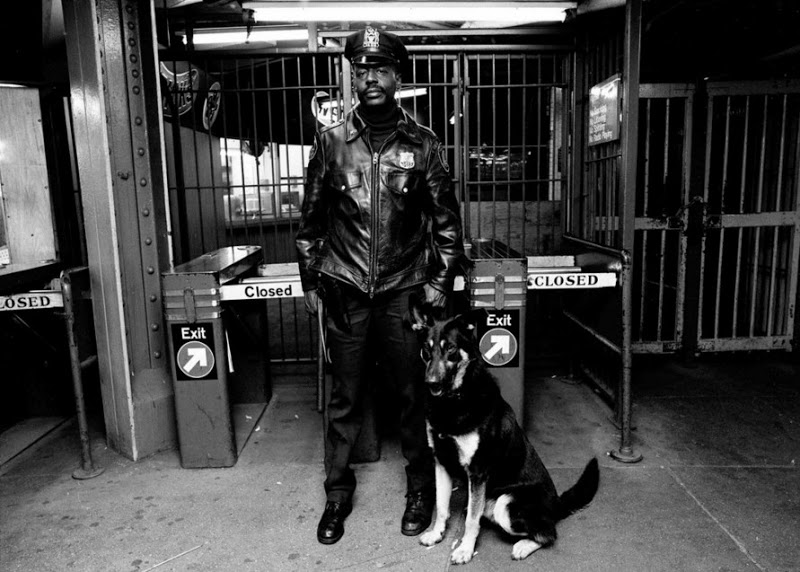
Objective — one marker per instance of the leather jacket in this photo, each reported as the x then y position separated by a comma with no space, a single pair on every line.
379,220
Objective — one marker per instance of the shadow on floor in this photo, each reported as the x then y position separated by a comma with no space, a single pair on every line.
718,488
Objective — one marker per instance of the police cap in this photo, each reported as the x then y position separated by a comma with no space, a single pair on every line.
372,46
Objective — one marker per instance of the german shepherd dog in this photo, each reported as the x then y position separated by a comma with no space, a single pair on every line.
474,434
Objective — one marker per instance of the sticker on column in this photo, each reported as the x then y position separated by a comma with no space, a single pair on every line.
195,356
498,341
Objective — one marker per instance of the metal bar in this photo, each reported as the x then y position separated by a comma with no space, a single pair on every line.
510,149
755,343
461,141
478,147
626,213
778,187
254,110
494,148
279,195
768,87
662,257
742,191
795,248
648,104
603,159
665,90
703,240
523,149
299,95
88,469
757,208
722,233
594,333
273,165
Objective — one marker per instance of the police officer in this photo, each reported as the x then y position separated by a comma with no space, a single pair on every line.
379,220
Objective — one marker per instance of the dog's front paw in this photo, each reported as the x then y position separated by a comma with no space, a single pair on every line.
431,537
524,548
463,553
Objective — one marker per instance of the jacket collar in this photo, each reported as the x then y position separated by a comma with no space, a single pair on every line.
406,126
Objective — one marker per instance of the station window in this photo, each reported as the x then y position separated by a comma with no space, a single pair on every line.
264,181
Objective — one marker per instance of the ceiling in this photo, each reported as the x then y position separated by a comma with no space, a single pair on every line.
682,39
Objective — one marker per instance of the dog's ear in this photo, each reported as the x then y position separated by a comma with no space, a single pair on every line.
471,319
420,314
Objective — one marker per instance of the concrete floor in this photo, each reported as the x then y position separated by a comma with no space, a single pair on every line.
718,489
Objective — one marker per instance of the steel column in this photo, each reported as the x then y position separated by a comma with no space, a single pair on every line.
118,145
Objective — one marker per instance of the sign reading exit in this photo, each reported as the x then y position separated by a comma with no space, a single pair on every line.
195,356
498,338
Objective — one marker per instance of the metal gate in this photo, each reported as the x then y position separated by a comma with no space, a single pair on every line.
662,193
749,255
734,230
239,132
514,134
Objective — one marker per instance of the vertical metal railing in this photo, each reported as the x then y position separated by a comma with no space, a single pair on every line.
513,125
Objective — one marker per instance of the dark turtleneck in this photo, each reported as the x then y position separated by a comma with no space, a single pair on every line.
381,122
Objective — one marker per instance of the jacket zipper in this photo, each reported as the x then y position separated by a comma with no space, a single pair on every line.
376,189
375,210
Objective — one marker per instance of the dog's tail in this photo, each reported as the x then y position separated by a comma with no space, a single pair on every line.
581,492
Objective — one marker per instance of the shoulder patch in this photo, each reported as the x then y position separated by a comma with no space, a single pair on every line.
313,151
443,158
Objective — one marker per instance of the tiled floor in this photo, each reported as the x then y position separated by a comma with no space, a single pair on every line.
718,489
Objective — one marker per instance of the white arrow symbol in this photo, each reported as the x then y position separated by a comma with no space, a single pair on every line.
502,344
197,356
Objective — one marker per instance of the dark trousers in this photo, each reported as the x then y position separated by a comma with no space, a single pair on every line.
377,334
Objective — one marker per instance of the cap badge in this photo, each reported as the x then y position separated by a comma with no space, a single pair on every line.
371,38
407,160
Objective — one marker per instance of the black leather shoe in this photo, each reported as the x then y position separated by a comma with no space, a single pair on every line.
419,509
331,525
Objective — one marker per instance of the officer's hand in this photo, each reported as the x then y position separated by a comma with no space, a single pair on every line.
312,298
434,297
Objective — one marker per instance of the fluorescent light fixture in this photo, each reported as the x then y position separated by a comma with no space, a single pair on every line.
330,104
528,12
208,36
411,92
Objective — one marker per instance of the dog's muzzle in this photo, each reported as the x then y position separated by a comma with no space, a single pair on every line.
435,387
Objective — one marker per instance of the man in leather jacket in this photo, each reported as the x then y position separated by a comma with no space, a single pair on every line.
380,220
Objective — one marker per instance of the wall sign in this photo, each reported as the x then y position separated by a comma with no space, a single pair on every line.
604,111
195,356
35,300
571,280
262,290
498,338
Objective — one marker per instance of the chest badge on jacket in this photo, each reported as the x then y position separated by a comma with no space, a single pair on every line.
407,160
